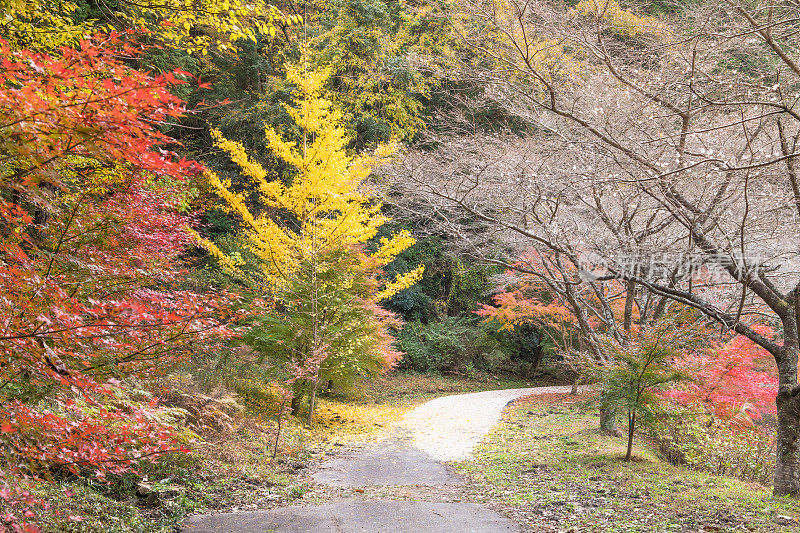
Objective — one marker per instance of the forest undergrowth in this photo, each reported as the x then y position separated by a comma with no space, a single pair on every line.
234,469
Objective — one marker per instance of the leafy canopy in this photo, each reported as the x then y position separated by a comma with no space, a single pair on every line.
191,25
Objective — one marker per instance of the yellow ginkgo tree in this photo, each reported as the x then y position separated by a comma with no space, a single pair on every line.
309,241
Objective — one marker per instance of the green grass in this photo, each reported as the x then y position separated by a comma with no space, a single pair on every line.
548,467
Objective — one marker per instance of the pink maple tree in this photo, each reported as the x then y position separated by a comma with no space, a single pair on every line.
726,379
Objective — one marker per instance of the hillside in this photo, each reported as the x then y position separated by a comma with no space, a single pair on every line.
235,235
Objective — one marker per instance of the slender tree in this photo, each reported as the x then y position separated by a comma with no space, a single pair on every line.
324,208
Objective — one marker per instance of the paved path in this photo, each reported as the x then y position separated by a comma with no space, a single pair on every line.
377,516
444,429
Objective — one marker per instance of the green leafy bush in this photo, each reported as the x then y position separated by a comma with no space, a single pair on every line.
454,344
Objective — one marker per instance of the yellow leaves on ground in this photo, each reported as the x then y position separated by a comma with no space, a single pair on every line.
349,422
377,404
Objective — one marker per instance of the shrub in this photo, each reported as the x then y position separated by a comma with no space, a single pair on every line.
635,371
454,344
727,380
240,373
702,441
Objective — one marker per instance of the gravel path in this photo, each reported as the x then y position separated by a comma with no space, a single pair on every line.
449,428
397,485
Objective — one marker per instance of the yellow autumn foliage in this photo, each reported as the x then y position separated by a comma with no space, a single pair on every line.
622,21
40,25
192,25
324,206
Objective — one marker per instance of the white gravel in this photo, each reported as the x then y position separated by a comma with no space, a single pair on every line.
449,428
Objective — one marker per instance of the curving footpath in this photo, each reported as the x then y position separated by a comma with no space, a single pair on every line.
412,456
449,428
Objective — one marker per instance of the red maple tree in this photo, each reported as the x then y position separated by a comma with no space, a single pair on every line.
726,379
92,239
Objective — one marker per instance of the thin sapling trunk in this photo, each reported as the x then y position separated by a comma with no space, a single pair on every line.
631,425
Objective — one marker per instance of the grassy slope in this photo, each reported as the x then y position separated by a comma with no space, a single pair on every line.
236,471
549,468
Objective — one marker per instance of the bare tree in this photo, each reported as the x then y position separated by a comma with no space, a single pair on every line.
660,152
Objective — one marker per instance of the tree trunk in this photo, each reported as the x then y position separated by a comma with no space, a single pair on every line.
278,431
630,290
631,425
312,399
787,459
608,421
